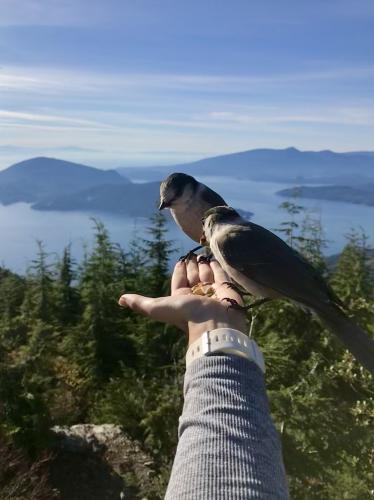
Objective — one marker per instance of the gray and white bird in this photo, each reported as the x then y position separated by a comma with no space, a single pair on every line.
188,201
264,265
257,260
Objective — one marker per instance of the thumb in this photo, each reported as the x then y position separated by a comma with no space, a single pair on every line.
158,309
138,303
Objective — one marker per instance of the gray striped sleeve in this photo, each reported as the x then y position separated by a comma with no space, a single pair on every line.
228,446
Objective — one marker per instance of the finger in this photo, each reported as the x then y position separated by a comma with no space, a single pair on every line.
219,274
159,309
179,278
205,272
192,271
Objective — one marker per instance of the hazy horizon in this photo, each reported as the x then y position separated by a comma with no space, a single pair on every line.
108,164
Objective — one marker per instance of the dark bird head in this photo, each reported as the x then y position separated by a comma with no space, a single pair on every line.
214,217
174,188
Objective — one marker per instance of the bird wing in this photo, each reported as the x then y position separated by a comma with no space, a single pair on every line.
211,198
268,261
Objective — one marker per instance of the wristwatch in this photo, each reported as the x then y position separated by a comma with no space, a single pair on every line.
225,341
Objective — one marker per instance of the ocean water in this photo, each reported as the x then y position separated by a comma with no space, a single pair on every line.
21,227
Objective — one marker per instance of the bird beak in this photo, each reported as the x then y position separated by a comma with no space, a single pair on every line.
162,205
203,240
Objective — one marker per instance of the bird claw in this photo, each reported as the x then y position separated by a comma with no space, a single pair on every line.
235,287
204,259
233,304
189,255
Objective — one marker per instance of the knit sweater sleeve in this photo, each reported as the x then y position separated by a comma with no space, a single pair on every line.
228,446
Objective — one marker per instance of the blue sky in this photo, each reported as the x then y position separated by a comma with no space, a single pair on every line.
146,82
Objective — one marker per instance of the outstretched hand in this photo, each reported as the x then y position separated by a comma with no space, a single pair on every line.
190,312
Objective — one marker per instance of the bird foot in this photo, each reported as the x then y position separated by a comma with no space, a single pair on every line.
235,287
204,259
189,255
233,304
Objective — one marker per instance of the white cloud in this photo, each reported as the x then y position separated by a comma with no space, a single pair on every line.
333,115
58,81
17,118
125,114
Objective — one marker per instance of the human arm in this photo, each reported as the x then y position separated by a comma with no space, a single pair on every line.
228,446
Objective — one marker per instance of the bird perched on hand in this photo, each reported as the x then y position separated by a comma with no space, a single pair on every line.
266,266
188,200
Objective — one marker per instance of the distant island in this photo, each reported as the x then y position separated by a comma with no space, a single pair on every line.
54,184
57,185
39,178
363,195
135,200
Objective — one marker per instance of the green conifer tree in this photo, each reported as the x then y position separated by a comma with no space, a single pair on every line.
352,278
290,226
12,288
38,302
66,300
157,251
103,330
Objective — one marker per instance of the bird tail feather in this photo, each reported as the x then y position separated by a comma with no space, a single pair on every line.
355,339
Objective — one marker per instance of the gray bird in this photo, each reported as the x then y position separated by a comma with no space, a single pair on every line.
188,200
267,267
258,260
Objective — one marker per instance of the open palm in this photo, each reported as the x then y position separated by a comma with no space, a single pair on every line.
187,310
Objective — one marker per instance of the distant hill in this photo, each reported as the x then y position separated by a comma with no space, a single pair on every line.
138,200
52,184
363,195
41,178
282,165
134,200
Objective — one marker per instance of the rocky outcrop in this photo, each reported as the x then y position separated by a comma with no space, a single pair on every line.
97,462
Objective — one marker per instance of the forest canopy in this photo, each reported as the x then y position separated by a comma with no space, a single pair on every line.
69,354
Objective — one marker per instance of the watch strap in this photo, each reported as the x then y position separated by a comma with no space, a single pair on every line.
225,341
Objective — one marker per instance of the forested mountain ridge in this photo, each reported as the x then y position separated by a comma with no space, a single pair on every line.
133,200
69,355
52,184
42,178
137,200
281,165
